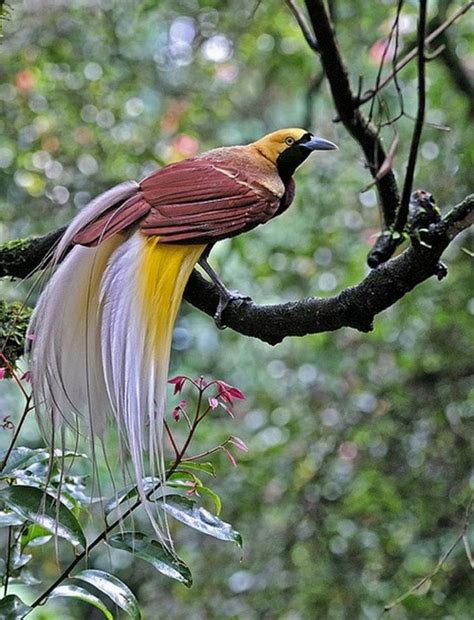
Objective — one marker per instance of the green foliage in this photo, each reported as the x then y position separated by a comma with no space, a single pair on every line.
12,608
152,551
184,510
72,590
360,460
113,588
41,497
14,319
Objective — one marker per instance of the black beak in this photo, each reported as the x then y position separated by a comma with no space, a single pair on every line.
319,144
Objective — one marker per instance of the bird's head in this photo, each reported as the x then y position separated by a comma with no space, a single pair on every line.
288,148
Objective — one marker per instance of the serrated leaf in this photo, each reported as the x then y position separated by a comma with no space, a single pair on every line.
207,468
129,492
9,518
71,590
115,589
184,510
36,506
153,552
13,608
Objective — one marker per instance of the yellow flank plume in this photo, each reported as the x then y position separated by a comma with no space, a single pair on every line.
165,271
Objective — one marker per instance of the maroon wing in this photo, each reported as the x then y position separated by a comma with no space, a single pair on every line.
194,200
198,201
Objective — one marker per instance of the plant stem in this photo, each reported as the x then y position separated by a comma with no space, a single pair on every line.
100,537
26,410
171,438
7,567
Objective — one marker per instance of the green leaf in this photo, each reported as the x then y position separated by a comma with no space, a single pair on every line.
25,457
17,458
23,577
188,481
115,589
207,468
182,475
8,518
12,608
71,590
129,492
36,506
153,552
184,510
35,536
19,559
215,498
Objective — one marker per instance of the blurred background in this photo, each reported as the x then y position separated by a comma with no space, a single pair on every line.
360,460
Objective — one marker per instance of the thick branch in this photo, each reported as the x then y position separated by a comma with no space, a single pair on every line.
346,105
354,307
19,258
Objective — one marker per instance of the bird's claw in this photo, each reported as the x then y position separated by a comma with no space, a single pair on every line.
224,300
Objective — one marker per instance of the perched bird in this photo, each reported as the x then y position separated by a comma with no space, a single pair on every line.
101,332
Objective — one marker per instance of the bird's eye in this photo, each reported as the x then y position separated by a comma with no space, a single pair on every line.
289,141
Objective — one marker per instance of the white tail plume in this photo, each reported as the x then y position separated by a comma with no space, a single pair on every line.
101,338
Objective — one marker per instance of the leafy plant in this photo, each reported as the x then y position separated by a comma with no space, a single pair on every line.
42,501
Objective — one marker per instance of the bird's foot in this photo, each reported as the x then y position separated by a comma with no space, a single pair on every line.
225,297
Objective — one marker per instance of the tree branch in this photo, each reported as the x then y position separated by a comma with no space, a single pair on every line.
346,105
353,307
19,258
457,71
370,94
310,40
418,128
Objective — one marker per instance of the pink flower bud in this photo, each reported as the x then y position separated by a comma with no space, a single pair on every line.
27,376
176,413
230,456
178,383
238,443
179,409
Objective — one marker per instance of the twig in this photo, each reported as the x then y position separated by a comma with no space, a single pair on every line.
26,411
171,438
413,53
461,537
457,71
418,128
303,24
7,562
394,29
345,101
